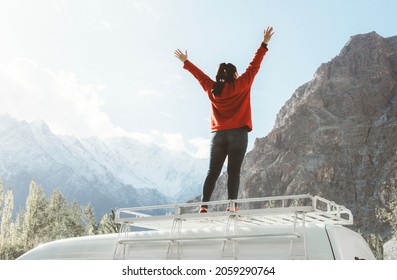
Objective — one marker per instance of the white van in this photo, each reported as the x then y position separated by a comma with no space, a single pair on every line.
275,228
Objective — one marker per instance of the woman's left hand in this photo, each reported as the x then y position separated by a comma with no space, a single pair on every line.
180,55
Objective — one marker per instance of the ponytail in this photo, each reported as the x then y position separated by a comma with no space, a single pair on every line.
225,74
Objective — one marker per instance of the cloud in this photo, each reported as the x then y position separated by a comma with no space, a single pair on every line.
196,147
173,142
149,93
201,146
32,92
142,6
106,25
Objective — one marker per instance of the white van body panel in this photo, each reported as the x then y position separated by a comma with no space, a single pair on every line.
348,244
342,244
275,228
94,247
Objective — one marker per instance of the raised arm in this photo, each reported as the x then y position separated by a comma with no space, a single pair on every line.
248,76
205,81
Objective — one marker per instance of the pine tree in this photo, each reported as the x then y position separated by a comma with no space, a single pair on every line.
56,215
1,198
35,219
89,220
74,220
5,226
108,223
17,239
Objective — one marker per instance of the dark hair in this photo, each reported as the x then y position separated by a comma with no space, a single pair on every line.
224,75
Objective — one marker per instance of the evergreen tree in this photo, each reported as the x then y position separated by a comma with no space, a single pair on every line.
108,223
89,220
57,212
10,234
5,226
74,221
35,219
1,198
17,239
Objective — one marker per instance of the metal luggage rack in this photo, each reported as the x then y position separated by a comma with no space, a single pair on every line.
280,210
262,210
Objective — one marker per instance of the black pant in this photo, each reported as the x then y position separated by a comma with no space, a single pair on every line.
230,143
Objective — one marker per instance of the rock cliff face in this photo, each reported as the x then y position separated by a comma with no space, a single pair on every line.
337,135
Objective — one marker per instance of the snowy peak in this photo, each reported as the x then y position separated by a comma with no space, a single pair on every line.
114,172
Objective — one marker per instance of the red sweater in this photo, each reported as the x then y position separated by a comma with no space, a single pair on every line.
232,108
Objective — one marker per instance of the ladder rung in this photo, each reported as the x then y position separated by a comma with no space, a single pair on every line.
289,235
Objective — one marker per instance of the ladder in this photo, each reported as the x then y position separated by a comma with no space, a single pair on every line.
294,210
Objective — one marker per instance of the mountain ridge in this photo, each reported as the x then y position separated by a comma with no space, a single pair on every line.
109,173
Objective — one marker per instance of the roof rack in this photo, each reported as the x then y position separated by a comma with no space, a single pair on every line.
265,210
278,210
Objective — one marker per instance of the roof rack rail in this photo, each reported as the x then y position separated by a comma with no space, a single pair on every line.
267,210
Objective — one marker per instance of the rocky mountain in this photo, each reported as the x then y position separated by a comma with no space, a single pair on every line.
336,136
109,173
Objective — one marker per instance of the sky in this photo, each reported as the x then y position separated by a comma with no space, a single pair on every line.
106,68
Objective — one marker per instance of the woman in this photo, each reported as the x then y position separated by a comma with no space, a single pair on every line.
230,117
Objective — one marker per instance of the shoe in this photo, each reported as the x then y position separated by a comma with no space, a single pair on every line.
235,209
203,210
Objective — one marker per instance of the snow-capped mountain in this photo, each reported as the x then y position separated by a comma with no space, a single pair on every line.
108,173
